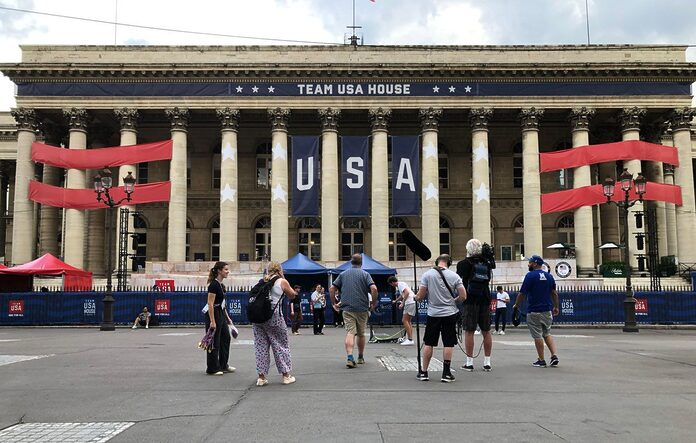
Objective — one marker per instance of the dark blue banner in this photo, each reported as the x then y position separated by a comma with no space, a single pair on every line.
305,176
354,178
405,175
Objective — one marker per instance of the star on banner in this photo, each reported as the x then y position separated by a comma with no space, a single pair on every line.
227,193
271,89
279,193
467,88
436,89
239,89
429,150
482,193
430,191
278,151
451,89
228,152
480,153
255,89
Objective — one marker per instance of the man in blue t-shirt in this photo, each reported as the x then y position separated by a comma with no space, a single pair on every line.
539,288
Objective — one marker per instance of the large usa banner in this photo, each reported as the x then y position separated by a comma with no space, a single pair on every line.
305,176
405,175
354,168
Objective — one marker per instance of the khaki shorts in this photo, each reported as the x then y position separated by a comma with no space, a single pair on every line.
539,324
356,322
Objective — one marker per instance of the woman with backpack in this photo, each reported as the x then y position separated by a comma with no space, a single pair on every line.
217,319
273,334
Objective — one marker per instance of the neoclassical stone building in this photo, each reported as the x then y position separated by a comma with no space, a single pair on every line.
488,111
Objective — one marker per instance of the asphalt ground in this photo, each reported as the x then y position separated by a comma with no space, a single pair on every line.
609,386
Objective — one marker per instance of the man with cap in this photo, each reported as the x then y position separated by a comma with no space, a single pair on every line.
539,288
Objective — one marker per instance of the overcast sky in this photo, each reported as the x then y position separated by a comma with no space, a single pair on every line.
394,22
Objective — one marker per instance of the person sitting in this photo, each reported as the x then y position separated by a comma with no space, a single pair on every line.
143,319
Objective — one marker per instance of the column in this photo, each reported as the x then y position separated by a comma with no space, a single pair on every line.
684,177
671,215
480,174
379,209
531,199
584,228
430,202
229,197
176,228
75,219
128,126
656,174
630,130
279,183
329,183
49,225
23,232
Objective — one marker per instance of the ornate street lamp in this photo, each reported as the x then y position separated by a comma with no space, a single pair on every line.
103,182
627,182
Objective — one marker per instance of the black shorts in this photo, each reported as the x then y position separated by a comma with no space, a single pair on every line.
477,314
445,326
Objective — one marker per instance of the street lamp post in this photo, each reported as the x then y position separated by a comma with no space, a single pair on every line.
627,181
103,182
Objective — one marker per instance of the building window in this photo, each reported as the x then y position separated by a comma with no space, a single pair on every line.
517,166
262,238
445,235
443,170
518,226
566,229
216,171
140,229
565,176
143,170
309,238
188,240
188,173
397,247
352,237
506,252
263,166
215,240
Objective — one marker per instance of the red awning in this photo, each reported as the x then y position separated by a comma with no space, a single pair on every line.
47,264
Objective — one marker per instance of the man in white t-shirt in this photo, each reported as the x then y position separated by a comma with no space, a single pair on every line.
405,300
501,309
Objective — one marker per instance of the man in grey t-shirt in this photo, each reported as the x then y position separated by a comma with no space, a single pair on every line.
442,313
355,284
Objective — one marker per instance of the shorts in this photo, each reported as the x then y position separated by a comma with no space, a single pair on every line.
437,326
477,314
410,309
539,324
356,322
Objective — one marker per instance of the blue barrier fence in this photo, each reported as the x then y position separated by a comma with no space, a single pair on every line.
85,308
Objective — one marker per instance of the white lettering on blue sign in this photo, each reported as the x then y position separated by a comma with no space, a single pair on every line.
405,175
90,307
354,89
352,163
310,175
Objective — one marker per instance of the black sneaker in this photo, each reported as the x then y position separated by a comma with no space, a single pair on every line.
539,364
554,361
423,376
487,368
350,364
469,368
447,378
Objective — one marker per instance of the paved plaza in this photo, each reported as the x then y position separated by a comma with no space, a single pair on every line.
82,385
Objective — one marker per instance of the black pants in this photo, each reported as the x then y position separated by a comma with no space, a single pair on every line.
296,319
500,313
218,358
338,317
318,320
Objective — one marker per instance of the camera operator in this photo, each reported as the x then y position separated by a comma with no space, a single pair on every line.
475,272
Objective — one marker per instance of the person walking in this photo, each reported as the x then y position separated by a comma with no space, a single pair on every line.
355,284
444,290
406,300
273,334
318,306
337,314
217,319
539,287
296,311
503,298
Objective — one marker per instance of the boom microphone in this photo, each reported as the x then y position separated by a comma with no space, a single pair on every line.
415,245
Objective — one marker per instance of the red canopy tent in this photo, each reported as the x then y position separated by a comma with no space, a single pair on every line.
2,266
74,279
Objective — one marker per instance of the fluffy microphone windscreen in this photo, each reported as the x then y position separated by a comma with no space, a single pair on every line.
415,245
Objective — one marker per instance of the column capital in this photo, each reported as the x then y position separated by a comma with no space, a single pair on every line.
178,117
329,118
631,117
127,118
279,118
580,118
479,117
26,119
680,118
77,118
379,118
530,117
229,118
429,118
667,169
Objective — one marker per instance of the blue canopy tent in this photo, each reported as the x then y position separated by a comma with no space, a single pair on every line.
303,271
377,270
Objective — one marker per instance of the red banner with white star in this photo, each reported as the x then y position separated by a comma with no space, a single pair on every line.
86,198
102,157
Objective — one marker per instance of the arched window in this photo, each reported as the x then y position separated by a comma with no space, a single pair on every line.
518,226
352,237
566,229
215,240
397,247
517,166
309,237
263,165
262,238
445,236
140,229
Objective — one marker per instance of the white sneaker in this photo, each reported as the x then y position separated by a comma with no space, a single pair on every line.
502,332
401,339
494,332
147,326
406,342
477,332
288,380
134,327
